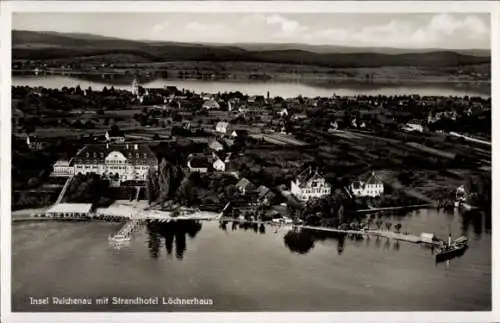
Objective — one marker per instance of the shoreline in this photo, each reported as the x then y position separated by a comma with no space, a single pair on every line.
312,78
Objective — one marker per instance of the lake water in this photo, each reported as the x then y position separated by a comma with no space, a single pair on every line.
253,268
286,90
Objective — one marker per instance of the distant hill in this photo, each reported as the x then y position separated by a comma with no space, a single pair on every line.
331,49
51,45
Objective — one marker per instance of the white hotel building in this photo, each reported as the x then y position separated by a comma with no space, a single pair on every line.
310,184
129,162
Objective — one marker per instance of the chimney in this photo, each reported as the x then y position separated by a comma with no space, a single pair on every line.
107,146
127,146
136,147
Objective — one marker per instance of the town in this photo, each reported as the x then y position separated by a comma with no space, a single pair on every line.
166,153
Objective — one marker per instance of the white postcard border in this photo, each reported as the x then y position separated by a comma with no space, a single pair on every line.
236,6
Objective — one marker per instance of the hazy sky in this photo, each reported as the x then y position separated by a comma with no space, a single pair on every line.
440,30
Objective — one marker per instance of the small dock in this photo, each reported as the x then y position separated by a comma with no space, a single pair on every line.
127,229
379,233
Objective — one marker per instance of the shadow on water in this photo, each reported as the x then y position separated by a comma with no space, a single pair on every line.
480,221
255,227
302,241
175,231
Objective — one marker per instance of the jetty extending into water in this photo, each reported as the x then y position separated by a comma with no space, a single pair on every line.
396,208
380,233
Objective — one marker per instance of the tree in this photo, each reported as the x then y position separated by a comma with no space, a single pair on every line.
388,225
163,180
398,227
369,222
379,223
151,185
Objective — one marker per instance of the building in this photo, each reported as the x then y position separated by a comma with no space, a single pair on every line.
115,135
135,87
310,184
222,127
210,104
414,125
244,186
372,187
198,164
265,195
34,144
218,164
215,145
334,126
463,194
124,161
299,116
63,168
69,210
283,112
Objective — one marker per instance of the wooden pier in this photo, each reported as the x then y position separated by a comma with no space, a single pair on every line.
386,234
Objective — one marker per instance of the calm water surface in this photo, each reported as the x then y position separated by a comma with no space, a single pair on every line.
253,268
286,90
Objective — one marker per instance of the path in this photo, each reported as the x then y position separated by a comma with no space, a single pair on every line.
63,191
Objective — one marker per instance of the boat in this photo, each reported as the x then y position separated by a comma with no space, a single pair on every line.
452,249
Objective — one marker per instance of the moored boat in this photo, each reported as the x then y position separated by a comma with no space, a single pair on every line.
452,249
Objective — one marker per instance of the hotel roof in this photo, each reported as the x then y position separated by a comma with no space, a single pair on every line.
136,154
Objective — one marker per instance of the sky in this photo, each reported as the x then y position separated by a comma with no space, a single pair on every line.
402,30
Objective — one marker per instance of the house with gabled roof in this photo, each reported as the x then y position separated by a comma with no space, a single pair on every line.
264,195
217,163
125,161
244,185
414,125
211,104
222,127
215,145
371,187
310,184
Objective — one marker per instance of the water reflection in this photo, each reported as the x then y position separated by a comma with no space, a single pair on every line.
170,232
302,241
479,220
299,241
